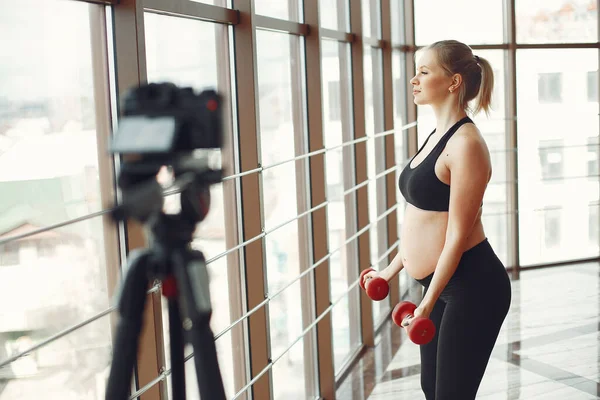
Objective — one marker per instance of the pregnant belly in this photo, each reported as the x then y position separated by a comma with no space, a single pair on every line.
422,240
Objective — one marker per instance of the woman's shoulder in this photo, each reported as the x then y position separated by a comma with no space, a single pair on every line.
468,147
468,138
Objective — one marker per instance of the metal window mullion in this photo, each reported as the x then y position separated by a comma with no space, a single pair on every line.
304,124
324,363
512,139
252,223
340,36
129,45
102,114
360,154
411,107
378,145
389,148
349,180
231,202
281,25
598,100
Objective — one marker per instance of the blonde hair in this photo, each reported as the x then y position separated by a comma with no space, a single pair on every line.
477,74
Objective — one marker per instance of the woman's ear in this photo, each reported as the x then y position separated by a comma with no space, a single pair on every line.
456,81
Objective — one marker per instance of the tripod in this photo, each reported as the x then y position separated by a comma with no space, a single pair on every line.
184,276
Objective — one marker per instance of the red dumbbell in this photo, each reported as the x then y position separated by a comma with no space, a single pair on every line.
421,330
377,288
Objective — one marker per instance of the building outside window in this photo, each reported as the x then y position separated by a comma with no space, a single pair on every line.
550,87
551,155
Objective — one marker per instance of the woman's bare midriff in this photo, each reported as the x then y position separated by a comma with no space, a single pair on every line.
423,236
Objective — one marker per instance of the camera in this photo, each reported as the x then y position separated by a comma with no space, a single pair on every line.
163,125
163,119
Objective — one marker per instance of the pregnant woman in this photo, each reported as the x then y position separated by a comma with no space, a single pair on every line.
467,291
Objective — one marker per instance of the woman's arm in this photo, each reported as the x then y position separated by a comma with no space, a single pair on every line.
388,272
393,269
469,163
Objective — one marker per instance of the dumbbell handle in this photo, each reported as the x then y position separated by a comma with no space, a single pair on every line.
420,330
377,288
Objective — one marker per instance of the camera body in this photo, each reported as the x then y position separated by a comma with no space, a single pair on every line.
163,119
163,125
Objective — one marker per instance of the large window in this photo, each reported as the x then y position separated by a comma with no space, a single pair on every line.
279,137
66,65
554,159
375,166
335,62
50,173
196,63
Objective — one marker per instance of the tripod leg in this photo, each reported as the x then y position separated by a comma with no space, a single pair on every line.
131,308
176,346
208,373
192,282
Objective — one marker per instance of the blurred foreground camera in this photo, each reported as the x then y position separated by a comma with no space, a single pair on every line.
161,118
163,125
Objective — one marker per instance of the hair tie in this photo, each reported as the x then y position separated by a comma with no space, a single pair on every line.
477,59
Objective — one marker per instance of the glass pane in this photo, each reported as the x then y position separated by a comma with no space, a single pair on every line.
334,14
398,23
440,19
285,311
335,86
53,280
371,20
73,367
400,140
375,165
282,9
196,64
48,152
558,177
556,21
275,60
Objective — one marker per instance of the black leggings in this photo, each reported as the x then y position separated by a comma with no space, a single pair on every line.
467,316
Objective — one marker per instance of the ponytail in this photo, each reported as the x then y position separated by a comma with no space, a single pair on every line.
484,97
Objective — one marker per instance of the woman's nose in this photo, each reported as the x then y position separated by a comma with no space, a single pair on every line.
413,81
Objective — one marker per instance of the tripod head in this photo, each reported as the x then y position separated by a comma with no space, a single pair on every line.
164,125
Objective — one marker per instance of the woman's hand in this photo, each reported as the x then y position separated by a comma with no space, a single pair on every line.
371,275
420,311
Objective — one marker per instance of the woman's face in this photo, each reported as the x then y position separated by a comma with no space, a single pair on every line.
431,84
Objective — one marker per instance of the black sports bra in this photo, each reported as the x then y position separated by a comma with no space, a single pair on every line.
420,186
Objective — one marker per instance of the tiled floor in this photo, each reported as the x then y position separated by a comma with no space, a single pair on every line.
549,346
